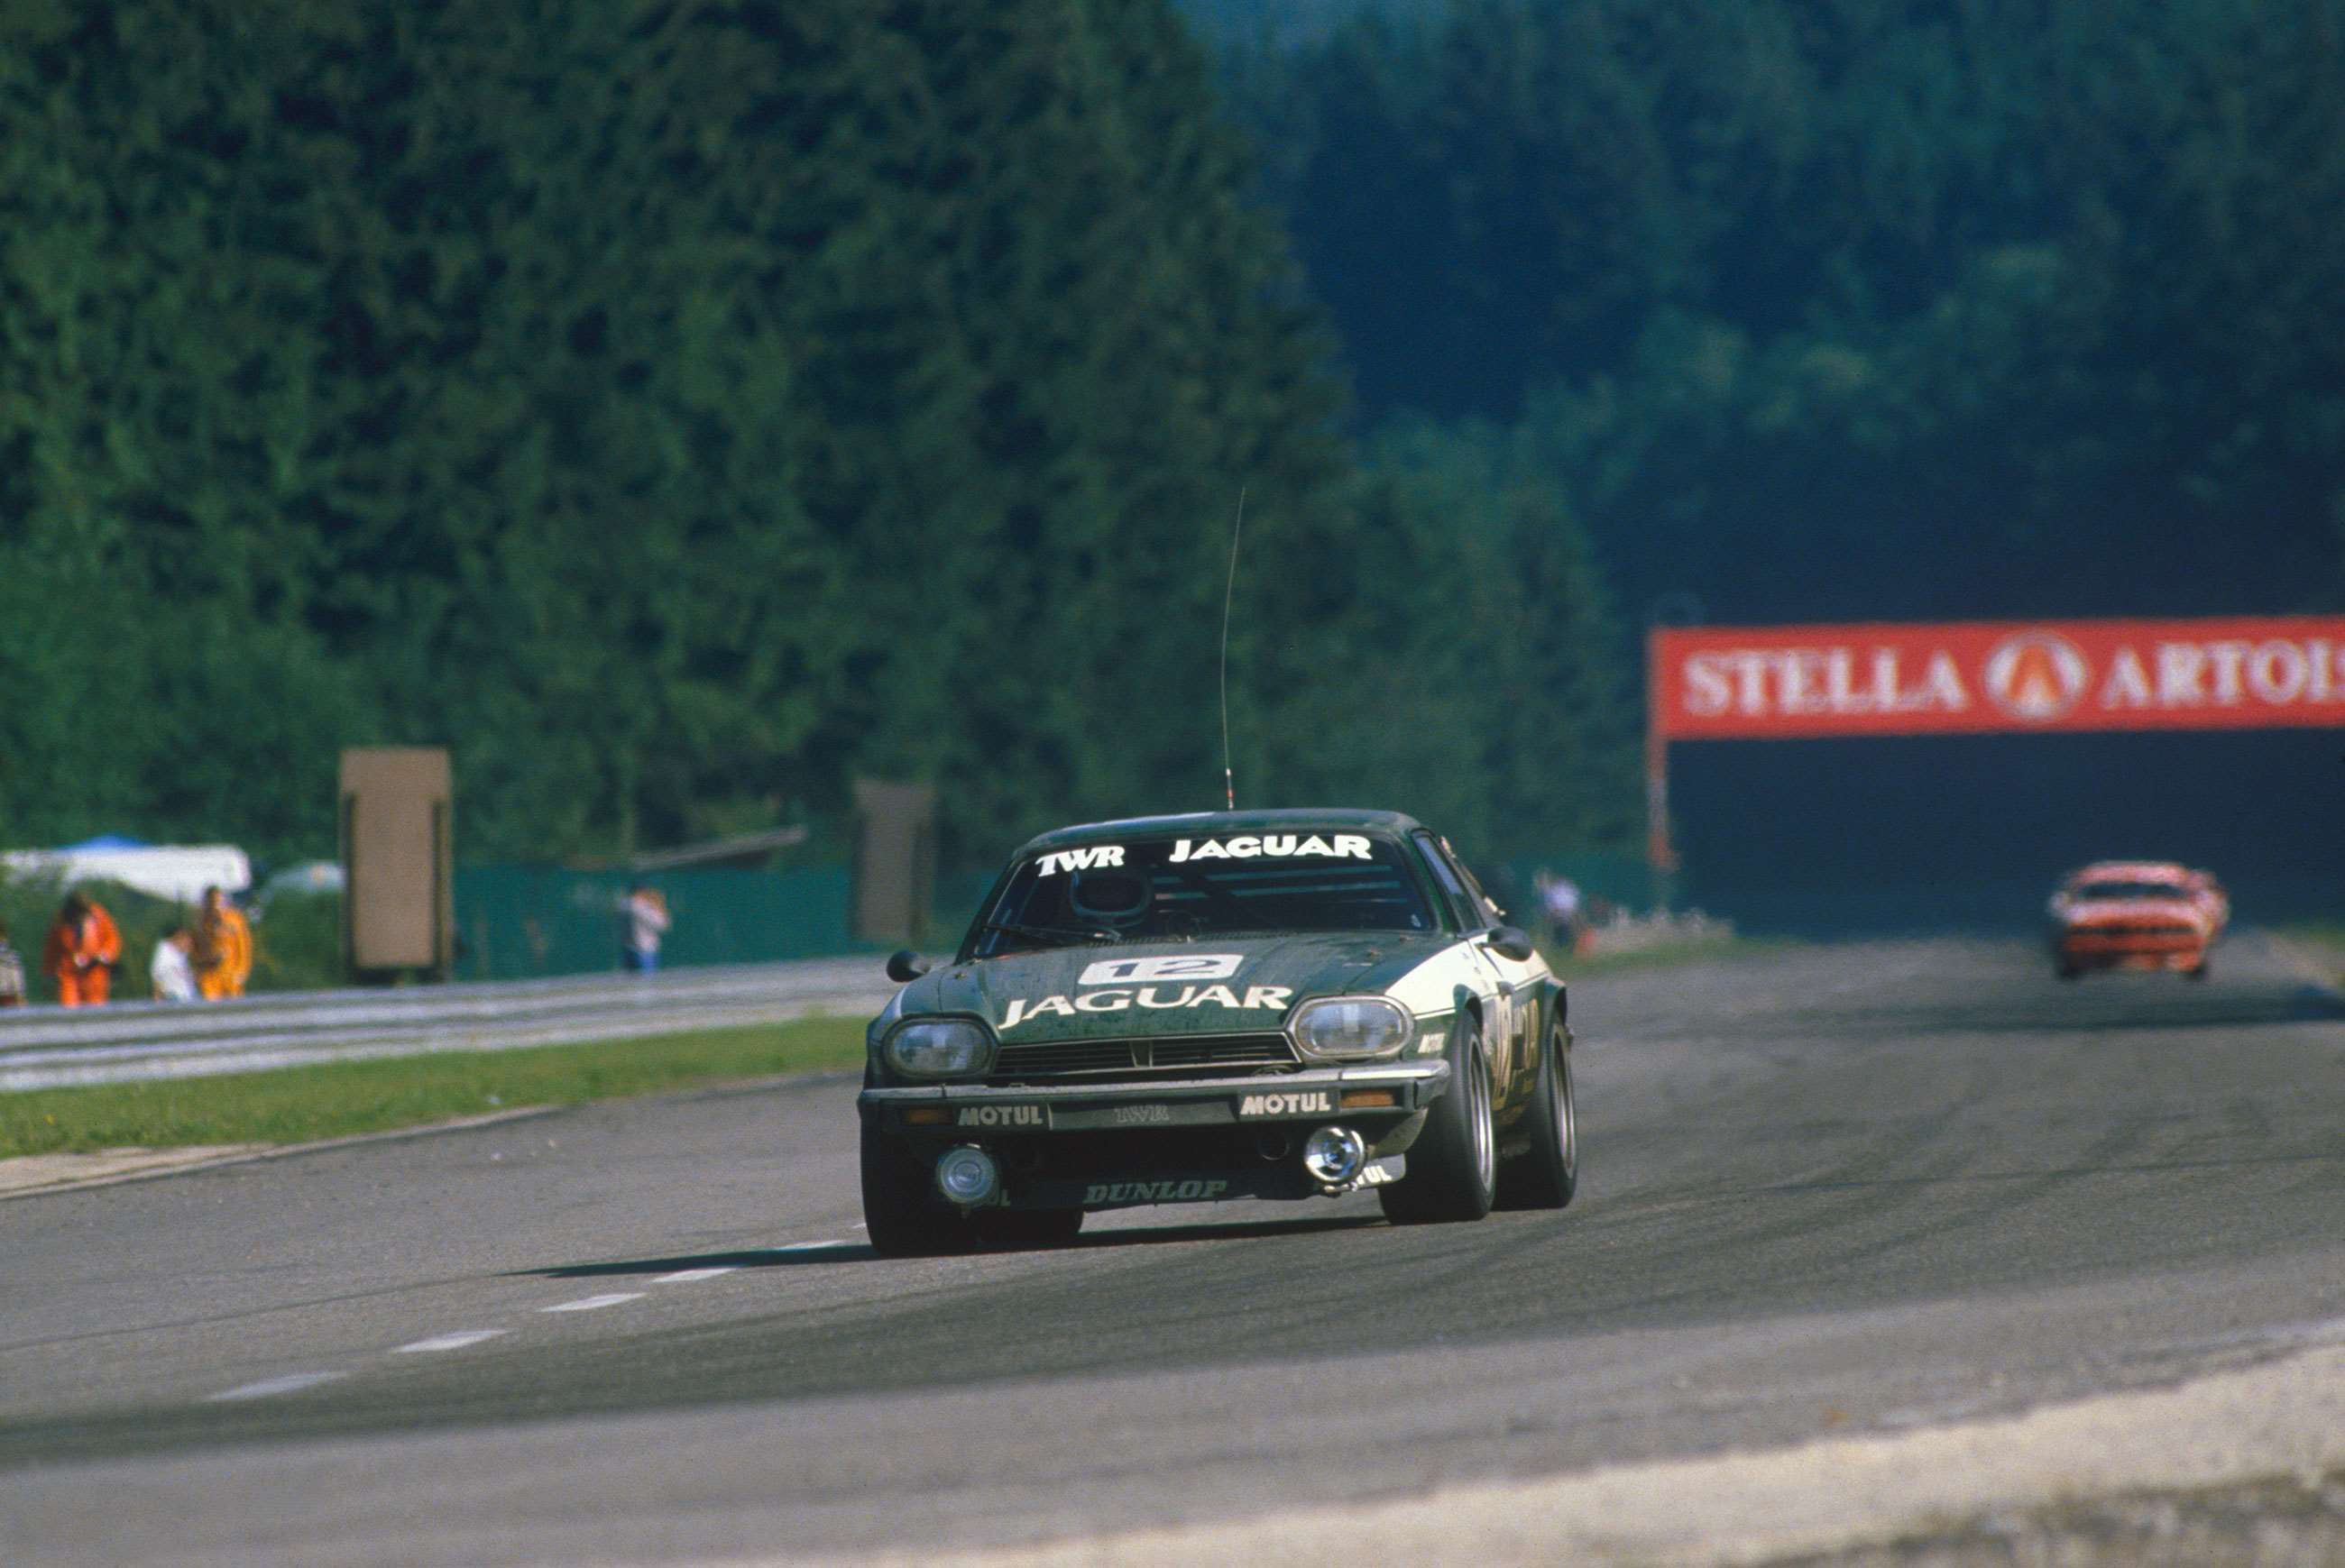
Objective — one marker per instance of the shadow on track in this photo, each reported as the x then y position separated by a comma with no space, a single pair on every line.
861,1253
751,1257
1243,1230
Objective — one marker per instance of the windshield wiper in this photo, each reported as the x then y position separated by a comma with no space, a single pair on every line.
1046,933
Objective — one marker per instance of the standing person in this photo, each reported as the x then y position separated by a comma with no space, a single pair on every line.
1560,898
222,949
82,949
643,920
171,973
11,972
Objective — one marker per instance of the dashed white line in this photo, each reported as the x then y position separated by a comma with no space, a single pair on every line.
588,1303
455,1341
294,1382
291,1383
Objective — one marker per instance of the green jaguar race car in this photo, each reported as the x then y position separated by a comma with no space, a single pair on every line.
1185,1009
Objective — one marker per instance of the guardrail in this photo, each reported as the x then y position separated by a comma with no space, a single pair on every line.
57,1047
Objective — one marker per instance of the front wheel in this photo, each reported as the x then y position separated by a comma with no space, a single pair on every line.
1453,1166
898,1215
1546,1174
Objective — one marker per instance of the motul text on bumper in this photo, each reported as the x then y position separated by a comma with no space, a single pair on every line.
973,1112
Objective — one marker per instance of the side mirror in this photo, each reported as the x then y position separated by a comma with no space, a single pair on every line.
906,965
1510,942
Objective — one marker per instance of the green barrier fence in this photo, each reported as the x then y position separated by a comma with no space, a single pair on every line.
514,921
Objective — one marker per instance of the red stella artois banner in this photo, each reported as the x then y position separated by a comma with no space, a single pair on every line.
1762,682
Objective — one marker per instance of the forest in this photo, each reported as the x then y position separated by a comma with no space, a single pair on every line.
680,408
1838,309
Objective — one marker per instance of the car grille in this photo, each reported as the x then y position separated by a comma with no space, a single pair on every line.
1205,1055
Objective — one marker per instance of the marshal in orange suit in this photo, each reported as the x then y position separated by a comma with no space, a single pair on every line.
222,950
81,950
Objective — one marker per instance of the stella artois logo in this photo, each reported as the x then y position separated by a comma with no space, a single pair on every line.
2036,676
1770,683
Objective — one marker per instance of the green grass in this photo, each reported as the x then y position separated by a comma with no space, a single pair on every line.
336,1099
2323,942
297,945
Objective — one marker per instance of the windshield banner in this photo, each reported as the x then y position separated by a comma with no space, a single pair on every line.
1785,683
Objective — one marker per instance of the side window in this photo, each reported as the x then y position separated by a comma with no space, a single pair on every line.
1452,879
1486,905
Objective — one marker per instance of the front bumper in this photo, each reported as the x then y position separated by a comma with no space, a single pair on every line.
2088,949
1098,1145
1371,1093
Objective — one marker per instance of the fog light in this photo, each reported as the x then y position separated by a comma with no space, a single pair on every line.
968,1176
1334,1155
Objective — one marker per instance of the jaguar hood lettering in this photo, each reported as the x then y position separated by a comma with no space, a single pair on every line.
1149,998
1078,992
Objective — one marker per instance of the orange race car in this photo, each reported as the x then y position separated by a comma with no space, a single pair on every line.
2136,915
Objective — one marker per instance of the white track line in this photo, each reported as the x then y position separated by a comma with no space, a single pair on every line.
686,1276
291,1383
588,1303
455,1341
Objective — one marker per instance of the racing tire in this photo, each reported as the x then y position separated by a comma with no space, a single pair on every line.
1546,1174
899,1214
2067,972
1453,1166
2201,972
1027,1230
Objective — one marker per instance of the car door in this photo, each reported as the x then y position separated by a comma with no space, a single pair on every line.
1511,993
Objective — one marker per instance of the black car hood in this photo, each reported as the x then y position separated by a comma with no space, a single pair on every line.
1211,986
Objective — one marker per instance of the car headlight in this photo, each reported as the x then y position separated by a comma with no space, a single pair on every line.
938,1047
1350,1028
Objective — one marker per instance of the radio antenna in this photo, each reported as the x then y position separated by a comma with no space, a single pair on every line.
1229,779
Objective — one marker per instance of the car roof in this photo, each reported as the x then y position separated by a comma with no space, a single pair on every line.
1214,823
2133,871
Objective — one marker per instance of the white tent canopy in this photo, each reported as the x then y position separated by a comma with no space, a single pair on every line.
173,871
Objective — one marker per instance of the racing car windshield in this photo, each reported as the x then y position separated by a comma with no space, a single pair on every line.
2127,889
1172,888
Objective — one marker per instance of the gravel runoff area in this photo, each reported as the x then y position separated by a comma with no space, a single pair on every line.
2240,1467
2289,1523
35,1174
57,1172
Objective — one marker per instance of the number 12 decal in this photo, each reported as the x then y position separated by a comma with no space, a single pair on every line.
1139,971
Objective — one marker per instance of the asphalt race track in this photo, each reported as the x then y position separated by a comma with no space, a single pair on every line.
1851,1189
